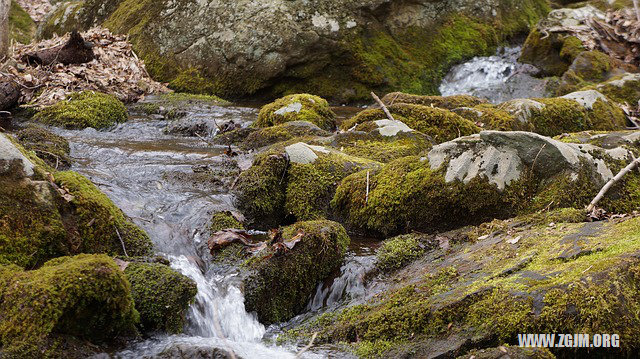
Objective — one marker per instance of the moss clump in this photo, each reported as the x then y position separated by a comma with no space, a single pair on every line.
571,48
224,220
446,102
588,67
300,107
191,81
442,125
161,296
282,132
84,109
85,296
384,149
495,118
280,284
275,190
101,224
21,26
396,252
53,149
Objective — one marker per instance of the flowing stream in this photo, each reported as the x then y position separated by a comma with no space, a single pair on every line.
496,78
170,186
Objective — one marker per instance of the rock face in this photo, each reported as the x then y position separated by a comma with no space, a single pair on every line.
335,49
489,175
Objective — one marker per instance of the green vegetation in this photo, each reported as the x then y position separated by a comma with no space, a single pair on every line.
161,296
282,132
100,224
396,252
21,26
300,107
224,220
84,109
445,102
442,125
53,149
380,148
280,283
86,296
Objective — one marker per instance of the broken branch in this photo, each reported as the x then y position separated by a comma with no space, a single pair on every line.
384,108
611,182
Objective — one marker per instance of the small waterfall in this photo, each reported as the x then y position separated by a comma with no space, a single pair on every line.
349,286
219,307
495,78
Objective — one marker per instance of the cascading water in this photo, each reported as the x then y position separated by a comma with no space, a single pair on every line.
170,186
495,78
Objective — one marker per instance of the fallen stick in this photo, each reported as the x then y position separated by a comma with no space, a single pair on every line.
611,182
308,346
384,108
121,241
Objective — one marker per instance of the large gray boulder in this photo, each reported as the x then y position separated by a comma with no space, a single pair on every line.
333,48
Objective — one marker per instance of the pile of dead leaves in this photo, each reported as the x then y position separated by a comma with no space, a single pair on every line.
116,70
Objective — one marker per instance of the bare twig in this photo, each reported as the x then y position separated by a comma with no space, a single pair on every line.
611,182
367,196
308,346
384,108
121,241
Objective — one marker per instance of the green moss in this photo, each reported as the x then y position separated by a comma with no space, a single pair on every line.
497,119
382,149
85,296
224,220
53,149
273,189
588,67
571,48
441,125
622,89
281,284
282,132
101,224
446,102
84,109
396,252
546,52
191,81
21,26
299,107
161,296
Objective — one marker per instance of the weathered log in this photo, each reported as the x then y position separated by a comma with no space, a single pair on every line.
9,93
75,51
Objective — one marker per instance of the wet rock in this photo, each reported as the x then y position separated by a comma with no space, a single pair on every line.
293,181
489,175
188,351
12,160
161,296
469,300
280,284
335,49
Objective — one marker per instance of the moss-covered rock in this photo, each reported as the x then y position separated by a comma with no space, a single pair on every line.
574,112
587,68
280,284
101,225
85,296
622,89
545,278
84,109
293,182
339,50
440,124
21,26
446,102
161,296
282,132
382,144
480,177
491,117
53,149
224,220
301,107
398,251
